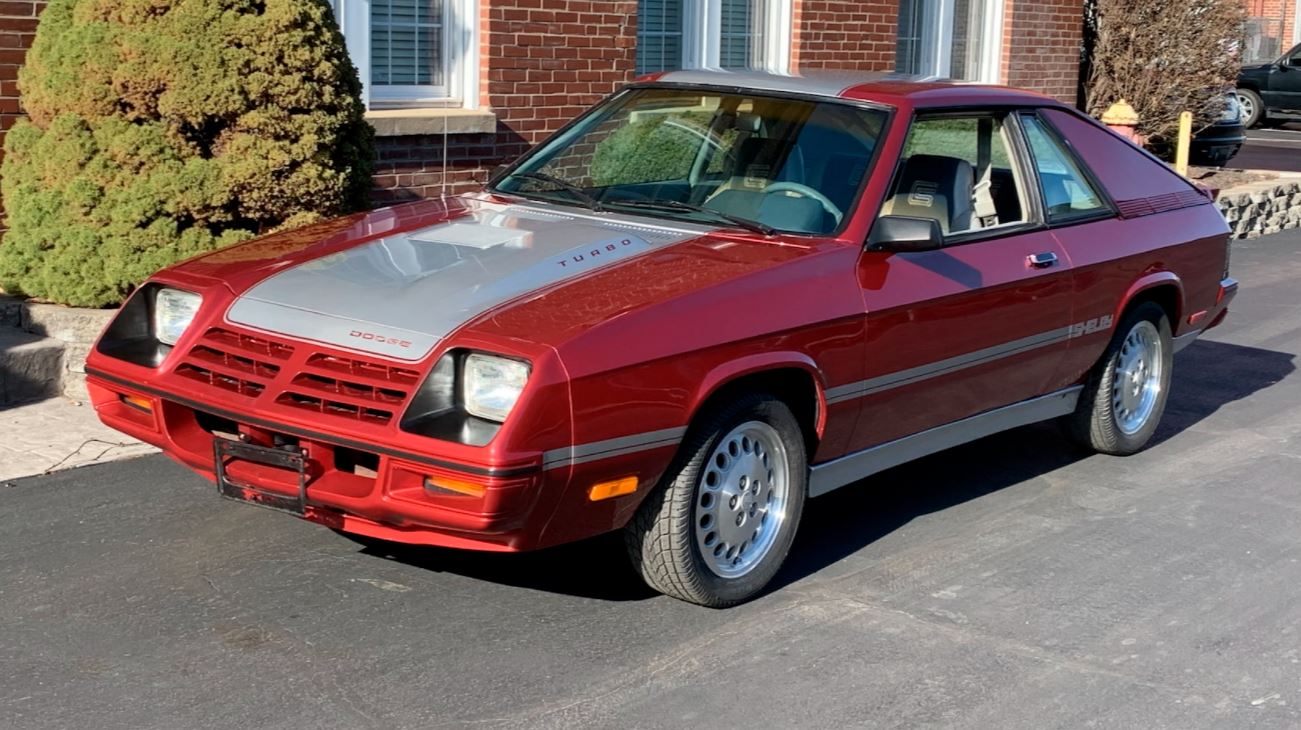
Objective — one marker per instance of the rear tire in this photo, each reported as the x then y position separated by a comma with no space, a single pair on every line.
1253,108
721,522
1125,395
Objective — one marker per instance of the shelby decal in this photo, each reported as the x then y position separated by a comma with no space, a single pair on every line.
579,258
372,337
1097,324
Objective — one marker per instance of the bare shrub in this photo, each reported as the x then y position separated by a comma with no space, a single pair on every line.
1163,58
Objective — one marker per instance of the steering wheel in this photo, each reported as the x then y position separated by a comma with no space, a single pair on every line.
804,191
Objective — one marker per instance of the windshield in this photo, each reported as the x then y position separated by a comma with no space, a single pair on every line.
759,162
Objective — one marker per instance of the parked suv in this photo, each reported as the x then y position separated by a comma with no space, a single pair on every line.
1271,92
710,298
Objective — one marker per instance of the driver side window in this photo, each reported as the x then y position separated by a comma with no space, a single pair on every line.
959,171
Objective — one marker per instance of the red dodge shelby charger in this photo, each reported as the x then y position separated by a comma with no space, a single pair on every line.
711,297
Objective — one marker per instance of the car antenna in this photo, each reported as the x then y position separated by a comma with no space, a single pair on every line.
444,175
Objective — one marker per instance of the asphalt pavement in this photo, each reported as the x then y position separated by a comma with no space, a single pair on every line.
1275,148
1011,583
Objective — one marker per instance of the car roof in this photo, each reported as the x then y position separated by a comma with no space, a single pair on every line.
884,87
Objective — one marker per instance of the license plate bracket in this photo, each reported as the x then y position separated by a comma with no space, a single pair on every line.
296,461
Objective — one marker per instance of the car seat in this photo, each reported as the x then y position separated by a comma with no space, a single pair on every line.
937,187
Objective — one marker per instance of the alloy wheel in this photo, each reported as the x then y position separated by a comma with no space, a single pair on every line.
742,498
1136,387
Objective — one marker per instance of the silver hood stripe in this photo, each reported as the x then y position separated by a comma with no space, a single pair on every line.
398,296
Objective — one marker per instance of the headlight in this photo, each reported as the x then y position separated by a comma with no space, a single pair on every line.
174,310
491,385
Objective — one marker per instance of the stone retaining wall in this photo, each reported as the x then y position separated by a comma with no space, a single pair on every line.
1262,208
74,330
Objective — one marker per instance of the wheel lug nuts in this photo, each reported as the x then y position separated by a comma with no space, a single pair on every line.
732,503
740,519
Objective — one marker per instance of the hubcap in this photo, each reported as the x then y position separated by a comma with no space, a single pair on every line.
1136,386
741,500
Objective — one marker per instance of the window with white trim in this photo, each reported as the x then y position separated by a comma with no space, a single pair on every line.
731,34
413,53
960,39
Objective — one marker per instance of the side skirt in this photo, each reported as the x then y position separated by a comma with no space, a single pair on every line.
848,469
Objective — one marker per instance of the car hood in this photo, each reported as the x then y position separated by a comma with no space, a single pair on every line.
399,294
1255,69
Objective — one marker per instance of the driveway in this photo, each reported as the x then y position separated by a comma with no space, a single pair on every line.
1011,583
1277,148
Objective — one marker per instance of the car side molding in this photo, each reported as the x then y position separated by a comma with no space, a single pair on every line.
832,475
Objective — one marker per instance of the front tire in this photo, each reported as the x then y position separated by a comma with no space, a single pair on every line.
1125,396
1253,108
721,522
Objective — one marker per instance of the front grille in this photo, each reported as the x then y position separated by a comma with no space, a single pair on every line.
228,383
330,385
234,362
350,388
331,407
360,369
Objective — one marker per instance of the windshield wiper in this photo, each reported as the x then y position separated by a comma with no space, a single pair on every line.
748,224
582,195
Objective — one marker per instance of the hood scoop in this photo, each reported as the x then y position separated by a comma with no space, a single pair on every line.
399,295
473,236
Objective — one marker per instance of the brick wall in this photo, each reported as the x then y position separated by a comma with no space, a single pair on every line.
542,62
845,34
1276,20
1041,46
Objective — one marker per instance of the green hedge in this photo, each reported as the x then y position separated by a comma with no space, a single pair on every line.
160,129
654,149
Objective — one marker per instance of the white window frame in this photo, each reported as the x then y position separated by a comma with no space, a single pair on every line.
937,40
460,44
702,35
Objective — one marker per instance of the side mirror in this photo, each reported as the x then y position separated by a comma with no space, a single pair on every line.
497,173
902,234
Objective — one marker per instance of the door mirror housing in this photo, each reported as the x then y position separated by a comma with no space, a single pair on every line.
497,173
904,234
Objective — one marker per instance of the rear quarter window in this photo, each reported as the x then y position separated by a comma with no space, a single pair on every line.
1124,171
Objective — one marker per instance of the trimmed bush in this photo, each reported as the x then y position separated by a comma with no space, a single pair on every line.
658,148
161,129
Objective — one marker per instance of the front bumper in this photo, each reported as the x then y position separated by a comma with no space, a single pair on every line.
362,487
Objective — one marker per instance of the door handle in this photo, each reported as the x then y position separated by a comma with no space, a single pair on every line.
1041,260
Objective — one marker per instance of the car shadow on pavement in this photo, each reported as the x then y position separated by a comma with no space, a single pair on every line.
1208,376
597,568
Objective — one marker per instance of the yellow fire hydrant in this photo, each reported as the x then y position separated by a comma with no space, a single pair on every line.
1123,120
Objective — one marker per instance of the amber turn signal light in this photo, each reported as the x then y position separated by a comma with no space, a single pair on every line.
616,488
439,485
138,403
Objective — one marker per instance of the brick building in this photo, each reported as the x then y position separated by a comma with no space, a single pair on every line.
493,77
1271,28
